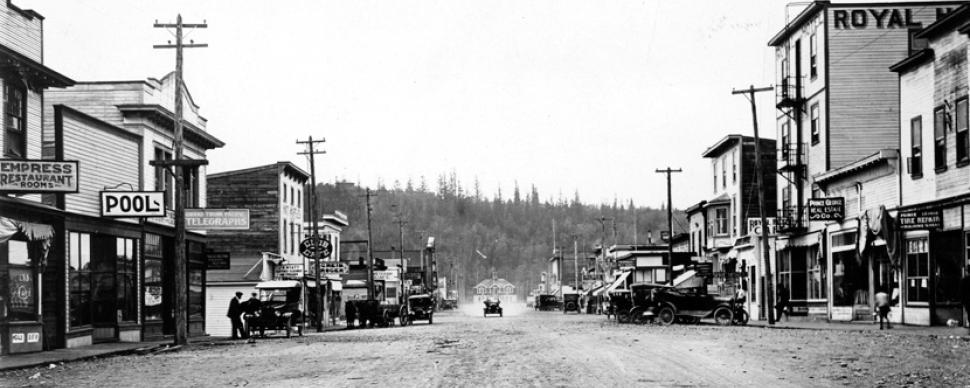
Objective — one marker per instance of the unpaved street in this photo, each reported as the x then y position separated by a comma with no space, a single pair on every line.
537,349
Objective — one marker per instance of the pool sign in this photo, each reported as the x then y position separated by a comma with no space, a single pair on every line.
38,176
132,204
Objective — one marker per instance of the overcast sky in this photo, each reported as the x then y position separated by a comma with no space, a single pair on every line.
587,95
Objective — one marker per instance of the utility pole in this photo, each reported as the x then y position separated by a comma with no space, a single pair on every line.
670,222
370,250
606,263
576,262
762,193
310,143
181,270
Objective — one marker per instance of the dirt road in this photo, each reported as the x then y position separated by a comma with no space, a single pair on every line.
537,349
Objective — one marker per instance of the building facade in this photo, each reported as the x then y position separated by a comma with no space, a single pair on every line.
934,196
829,58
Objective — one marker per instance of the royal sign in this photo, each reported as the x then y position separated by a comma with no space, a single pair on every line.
132,204
38,176
826,209
217,219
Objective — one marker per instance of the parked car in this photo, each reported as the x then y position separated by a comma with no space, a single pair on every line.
620,305
642,307
547,302
419,307
570,302
281,308
492,306
691,305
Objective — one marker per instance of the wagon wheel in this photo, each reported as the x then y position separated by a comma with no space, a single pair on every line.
666,315
723,316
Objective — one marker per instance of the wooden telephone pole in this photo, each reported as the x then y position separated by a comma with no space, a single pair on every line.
179,165
370,248
762,193
314,216
670,223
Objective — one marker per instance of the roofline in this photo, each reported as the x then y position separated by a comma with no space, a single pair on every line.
27,13
940,26
278,165
918,58
85,116
54,78
859,165
192,128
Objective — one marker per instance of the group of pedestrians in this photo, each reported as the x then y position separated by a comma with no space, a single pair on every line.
239,308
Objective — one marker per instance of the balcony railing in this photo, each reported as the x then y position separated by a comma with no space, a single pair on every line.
791,158
789,92
788,220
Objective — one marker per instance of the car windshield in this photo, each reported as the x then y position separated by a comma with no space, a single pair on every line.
272,295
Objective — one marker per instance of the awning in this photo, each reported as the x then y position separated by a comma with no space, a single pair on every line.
688,279
278,284
620,280
803,241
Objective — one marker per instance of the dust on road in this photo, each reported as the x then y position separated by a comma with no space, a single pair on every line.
536,349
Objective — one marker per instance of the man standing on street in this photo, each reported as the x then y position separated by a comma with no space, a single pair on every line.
234,314
965,293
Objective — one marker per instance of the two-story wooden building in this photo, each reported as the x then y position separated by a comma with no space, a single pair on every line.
934,196
838,110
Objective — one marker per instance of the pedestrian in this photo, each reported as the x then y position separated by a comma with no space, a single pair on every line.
781,303
965,294
250,312
234,314
882,308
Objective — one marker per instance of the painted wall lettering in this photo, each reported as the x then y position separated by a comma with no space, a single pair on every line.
880,18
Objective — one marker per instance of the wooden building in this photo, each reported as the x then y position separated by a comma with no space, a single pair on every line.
274,195
838,104
32,234
934,196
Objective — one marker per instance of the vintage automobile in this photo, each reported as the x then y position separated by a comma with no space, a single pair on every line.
449,304
281,308
547,302
570,302
419,307
691,305
641,307
492,306
619,306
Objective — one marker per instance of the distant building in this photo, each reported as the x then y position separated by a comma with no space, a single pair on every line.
495,288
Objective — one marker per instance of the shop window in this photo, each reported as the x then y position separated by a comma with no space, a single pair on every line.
939,136
916,144
816,274
79,272
784,273
196,280
963,134
127,302
14,123
917,270
103,282
816,124
813,55
21,282
850,278
153,277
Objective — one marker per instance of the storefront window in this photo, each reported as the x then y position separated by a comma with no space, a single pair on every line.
127,303
22,283
153,277
816,274
196,280
799,280
79,272
850,280
917,270
947,267
784,272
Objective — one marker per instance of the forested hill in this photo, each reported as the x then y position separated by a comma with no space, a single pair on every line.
514,232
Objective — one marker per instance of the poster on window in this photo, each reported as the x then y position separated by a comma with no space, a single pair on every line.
153,296
21,290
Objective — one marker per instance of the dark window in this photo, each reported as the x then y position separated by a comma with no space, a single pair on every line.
963,142
79,272
724,173
285,238
196,281
915,44
816,125
192,187
785,141
292,196
939,134
163,180
127,279
917,270
721,221
153,277
813,58
14,124
916,139
284,192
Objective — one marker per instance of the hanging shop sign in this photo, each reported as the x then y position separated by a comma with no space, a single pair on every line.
754,225
217,260
289,271
217,219
132,204
38,176
327,268
920,219
309,247
386,275
826,209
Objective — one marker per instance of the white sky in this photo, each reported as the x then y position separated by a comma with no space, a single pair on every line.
587,95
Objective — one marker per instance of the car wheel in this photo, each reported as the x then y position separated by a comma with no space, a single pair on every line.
723,316
666,316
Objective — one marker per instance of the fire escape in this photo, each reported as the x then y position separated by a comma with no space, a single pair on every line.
792,164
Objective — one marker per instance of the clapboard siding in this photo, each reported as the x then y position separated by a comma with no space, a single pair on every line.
863,94
257,191
879,188
21,33
916,100
99,100
107,157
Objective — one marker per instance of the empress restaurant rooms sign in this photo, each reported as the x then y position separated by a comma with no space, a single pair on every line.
38,176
